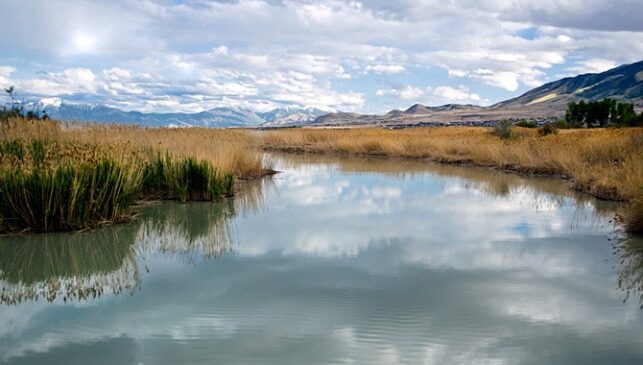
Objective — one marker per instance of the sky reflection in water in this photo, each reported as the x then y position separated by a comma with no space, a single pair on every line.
333,261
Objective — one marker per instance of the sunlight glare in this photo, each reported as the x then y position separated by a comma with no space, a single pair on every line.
84,42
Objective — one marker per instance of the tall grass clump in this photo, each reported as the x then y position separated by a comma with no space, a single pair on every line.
547,129
503,129
186,179
56,177
65,197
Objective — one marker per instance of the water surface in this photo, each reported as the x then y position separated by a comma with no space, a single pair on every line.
336,260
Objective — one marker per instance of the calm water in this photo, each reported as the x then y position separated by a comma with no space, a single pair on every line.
336,261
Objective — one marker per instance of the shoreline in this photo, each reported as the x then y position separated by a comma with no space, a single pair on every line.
517,170
604,163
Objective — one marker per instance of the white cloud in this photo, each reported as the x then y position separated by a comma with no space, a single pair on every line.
407,93
232,50
455,95
5,76
197,90
68,82
504,79
503,69
385,69
435,96
595,65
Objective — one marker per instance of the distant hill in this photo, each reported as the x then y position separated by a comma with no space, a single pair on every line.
547,102
417,109
623,82
421,109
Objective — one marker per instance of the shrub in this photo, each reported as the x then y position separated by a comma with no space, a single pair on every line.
561,124
526,124
547,129
503,129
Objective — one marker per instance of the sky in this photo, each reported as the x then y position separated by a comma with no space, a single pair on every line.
361,56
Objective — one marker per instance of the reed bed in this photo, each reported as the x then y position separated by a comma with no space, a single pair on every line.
62,176
56,176
228,150
606,163
186,179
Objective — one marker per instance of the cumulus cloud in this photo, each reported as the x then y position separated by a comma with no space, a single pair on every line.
385,69
407,92
196,90
595,65
435,95
5,74
220,52
457,95
68,82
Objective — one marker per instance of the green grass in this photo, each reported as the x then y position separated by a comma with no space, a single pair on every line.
185,179
49,186
65,197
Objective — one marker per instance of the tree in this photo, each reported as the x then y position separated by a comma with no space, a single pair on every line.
575,115
12,95
600,113
625,114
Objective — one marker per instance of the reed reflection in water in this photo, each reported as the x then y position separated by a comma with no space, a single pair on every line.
68,266
87,265
629,253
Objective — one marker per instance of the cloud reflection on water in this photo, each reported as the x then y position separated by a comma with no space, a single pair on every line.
367,261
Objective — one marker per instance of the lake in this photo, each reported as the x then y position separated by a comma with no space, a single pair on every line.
336,260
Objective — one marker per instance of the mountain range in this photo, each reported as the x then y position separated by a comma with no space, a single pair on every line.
544,103
547,102
214,118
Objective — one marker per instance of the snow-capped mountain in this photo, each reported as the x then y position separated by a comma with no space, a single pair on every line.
290,115
215,118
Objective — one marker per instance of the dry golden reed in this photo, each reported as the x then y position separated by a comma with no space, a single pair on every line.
228,150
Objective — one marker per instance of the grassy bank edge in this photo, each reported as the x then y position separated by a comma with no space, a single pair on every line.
630,217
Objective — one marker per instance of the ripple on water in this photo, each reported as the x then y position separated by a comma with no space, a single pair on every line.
339,261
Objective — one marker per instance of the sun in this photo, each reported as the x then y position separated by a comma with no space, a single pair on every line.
84,42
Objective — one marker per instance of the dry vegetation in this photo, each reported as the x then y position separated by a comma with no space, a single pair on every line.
56,176
606,163
226,149
193,164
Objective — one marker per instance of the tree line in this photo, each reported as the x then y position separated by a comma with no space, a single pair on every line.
601,113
